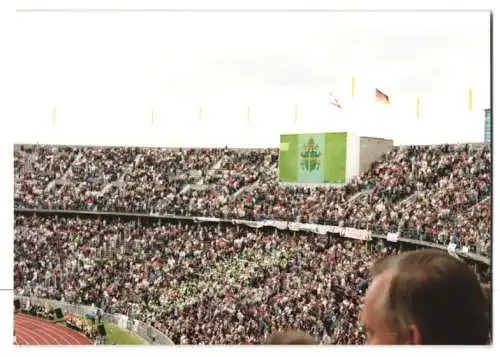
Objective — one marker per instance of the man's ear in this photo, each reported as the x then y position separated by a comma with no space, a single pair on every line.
414,336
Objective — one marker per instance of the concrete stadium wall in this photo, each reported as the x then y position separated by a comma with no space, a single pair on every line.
372,149
353,156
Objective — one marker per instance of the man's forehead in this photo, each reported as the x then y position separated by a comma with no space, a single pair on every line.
378,287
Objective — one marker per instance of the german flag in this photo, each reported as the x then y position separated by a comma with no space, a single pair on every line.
381,97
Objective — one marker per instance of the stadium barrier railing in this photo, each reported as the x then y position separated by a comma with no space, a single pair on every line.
146,332
345,232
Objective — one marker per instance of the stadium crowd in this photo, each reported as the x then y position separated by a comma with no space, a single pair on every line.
203,283
199,284
434,193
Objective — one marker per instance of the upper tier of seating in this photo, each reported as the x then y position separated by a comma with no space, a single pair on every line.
437,193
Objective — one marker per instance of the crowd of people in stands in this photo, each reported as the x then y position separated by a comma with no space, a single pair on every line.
204,283
198,283
434,193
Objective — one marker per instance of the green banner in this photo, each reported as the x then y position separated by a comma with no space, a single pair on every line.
288,162
336,147
311,158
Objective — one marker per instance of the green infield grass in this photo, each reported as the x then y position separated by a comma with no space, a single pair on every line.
117,336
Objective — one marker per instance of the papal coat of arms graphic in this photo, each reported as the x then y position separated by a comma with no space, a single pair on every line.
310,156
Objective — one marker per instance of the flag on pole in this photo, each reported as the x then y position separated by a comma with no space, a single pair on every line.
248,114
353,86
381,97
295,113
470,100
152,116
199,113
418,107
333,101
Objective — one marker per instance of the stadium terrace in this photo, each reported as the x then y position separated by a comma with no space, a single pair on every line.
97,226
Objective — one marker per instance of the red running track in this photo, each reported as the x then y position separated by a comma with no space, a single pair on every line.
35,331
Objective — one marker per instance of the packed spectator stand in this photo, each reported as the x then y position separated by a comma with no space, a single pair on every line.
207,284
433,193
198,284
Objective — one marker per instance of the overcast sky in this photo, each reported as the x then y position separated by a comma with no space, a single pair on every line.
106,71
